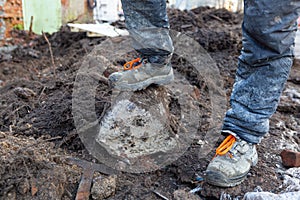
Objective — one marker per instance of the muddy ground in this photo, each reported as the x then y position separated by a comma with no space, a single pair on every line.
37,131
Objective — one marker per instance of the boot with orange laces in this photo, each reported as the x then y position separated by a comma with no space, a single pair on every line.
140,73
232,162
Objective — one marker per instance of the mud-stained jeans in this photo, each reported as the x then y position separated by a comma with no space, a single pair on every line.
269,30
148,25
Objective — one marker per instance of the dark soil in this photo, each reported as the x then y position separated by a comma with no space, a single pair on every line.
37,131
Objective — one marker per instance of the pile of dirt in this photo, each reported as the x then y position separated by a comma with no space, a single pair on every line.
34,169
37,130
214,29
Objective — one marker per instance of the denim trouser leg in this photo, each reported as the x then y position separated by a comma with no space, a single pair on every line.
148,25
266,58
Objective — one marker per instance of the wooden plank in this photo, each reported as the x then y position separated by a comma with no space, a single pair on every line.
76,29
98,30
93,34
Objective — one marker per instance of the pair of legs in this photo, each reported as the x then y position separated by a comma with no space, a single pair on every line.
269,30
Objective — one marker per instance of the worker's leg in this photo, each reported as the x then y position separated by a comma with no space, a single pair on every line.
148,25
268,37
264,64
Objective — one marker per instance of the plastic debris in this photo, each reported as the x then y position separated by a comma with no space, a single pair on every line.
197,189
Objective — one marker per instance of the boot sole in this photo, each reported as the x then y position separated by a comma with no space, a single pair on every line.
157,80
219,179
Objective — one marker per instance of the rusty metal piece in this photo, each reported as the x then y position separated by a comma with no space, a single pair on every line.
89,169
290,158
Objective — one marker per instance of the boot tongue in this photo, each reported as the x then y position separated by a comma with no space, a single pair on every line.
242,147
157,59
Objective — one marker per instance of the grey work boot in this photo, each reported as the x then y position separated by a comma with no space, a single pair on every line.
233,160
139,74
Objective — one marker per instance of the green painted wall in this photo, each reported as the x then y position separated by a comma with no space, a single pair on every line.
46,15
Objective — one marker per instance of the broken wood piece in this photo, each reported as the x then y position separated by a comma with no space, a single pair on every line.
216,17
89,168
98,30
160,195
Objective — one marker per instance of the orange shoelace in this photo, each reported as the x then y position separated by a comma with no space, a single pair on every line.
133,64
225,146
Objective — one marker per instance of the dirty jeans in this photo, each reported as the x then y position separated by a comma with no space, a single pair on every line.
269,31
264,64
148,25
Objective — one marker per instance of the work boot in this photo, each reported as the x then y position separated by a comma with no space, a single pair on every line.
139,74
233,160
